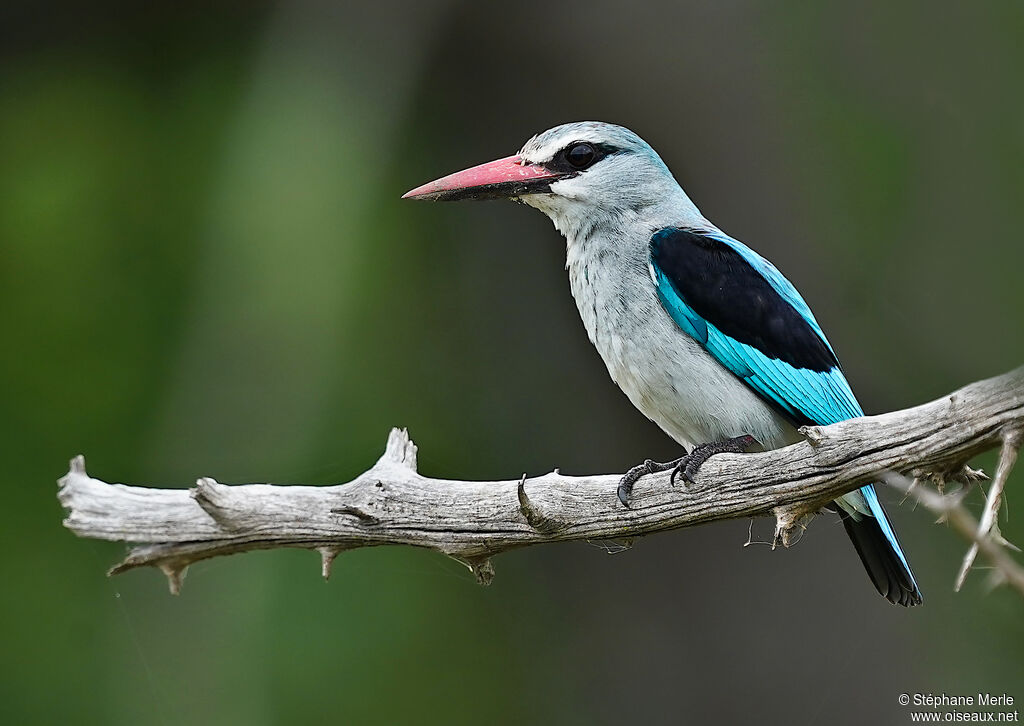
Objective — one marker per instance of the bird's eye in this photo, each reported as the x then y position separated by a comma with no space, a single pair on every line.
580,155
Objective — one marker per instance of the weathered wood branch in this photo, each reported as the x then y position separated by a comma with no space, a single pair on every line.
988,528
950,509
392,503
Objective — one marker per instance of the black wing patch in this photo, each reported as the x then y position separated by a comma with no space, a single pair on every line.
726,291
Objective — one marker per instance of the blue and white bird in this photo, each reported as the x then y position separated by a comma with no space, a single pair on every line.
705,336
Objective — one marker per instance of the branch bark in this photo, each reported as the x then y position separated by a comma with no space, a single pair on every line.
391,503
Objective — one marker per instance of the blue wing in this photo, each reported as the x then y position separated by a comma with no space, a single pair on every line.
753,321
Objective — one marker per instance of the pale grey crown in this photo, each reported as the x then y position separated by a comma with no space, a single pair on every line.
543,146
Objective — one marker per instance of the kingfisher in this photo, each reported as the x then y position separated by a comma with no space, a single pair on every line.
704,335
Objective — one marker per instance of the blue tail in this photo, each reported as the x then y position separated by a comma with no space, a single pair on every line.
879,549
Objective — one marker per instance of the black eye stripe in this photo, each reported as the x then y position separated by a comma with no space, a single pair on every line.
572,159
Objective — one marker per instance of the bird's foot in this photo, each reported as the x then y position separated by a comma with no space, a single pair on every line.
632,476
688,466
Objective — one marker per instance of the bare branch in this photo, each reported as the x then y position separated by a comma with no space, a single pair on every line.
989,517
950,508
471,521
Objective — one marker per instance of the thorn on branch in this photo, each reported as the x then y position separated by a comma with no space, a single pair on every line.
969,476
77,465
790,523
175,573
997,536
215,500
65,485
327,556
481,567
400,450
813,434
534,517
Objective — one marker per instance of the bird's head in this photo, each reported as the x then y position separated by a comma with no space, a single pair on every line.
573,172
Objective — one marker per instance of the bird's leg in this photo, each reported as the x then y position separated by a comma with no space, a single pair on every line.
688,466
632,476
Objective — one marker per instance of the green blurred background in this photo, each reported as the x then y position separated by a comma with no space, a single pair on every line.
205,269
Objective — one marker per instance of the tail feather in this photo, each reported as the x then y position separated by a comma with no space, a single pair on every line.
876,543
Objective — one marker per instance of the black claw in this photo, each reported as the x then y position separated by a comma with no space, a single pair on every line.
624,490
686,467
634,475
630,478
689,466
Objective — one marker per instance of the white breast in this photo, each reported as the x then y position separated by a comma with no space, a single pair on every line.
663,371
